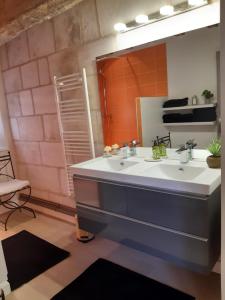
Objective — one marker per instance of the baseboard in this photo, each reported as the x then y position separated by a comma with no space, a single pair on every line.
69,211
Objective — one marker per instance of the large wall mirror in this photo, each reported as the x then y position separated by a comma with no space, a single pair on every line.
135,84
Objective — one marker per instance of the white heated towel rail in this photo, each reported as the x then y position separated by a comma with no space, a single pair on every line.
75,120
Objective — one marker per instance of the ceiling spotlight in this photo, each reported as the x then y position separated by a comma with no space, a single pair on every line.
196,2
166,10
120,27
141,19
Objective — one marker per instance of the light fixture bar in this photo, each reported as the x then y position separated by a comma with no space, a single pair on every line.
156,16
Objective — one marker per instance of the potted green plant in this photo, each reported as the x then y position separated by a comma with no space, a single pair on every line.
214,160
208,96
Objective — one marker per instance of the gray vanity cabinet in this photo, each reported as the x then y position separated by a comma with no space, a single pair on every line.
182,228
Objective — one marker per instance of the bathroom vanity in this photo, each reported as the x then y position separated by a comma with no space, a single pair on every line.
163,208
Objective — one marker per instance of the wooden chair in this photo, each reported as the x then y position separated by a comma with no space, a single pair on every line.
165,140
10,186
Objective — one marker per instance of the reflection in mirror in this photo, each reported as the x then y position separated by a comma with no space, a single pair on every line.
135,86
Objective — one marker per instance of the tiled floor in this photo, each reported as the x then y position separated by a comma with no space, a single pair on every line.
62,234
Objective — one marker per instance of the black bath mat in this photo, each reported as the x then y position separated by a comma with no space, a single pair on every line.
27,256
104,280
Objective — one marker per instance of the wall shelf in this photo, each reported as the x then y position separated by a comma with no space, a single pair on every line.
191,124
187,107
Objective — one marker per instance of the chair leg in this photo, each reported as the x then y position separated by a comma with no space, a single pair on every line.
9,215
23,206
14,206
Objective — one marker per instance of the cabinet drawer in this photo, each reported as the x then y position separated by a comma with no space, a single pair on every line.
182,249
179,212
106,196
87,192
113,198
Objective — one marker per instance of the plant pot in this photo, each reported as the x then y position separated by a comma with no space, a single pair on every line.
208,100
214,161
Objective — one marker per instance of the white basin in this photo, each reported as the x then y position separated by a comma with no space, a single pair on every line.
194,177
111,164
177,172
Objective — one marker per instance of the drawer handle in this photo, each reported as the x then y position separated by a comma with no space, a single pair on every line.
192,236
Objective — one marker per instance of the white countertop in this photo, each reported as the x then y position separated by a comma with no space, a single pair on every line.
199,179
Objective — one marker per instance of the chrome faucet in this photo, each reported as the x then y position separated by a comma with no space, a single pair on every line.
124,151
188,148
133,149
182,148
190,144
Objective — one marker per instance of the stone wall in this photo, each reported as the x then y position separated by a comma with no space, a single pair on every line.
29,63
17,16
12,9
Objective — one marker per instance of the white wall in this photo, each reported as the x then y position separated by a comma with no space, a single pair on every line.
192,68
151,117
191,63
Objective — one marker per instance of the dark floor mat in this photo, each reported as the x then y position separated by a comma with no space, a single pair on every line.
27,256
104,280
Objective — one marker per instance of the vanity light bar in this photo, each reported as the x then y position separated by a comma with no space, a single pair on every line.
166,11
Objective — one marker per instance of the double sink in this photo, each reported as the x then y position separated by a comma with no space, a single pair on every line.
178,172
169,174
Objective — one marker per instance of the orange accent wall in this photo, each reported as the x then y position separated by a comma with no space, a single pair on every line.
122,79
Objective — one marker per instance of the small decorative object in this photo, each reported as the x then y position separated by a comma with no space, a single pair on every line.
208,96
115,149
162,150
107,151
214,160
194,100
155,151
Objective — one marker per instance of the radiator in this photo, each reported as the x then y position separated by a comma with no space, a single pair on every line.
74,118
